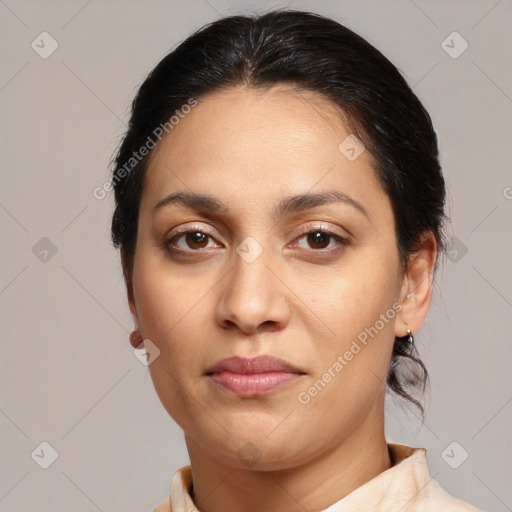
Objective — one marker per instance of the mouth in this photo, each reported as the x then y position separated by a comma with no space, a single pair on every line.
255,376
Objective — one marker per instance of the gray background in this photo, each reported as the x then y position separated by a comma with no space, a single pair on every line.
69,376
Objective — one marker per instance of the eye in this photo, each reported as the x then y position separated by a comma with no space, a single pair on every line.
321,239
192,240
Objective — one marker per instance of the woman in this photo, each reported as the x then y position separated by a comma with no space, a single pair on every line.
279,212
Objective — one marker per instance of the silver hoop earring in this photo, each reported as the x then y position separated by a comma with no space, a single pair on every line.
410,337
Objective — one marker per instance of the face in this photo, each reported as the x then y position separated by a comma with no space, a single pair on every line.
292,254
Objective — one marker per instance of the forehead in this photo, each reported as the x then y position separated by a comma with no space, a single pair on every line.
250,145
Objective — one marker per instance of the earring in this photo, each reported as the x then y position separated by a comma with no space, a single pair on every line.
136,338
410,338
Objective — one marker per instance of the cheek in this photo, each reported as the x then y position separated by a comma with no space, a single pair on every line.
358,303
353,296
351,369
168,305
168,313
164,297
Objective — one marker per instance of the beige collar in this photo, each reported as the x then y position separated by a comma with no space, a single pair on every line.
406,481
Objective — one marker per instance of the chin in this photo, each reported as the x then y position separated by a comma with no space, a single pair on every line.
259,453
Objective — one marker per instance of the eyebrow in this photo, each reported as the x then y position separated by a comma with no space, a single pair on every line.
287,206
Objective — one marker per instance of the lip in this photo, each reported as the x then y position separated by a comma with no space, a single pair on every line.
254,376
258,364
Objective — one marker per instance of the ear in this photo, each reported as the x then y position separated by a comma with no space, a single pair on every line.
131,299
416,290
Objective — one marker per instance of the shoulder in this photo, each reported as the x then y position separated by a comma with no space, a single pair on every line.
409,484
434,498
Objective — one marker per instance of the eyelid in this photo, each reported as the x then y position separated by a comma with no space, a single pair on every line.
185,229
309,226
188,228
344,238
320,226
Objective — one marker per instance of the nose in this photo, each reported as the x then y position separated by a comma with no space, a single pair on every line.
253,297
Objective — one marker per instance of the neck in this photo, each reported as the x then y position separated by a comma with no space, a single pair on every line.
316,485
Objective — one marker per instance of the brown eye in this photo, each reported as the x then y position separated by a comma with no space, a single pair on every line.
189,241
196,240
318,239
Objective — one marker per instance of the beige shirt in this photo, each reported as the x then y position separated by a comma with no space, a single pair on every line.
406,486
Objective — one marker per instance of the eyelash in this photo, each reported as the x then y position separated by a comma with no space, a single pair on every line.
343,241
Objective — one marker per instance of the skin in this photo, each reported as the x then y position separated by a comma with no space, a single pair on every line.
301,300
